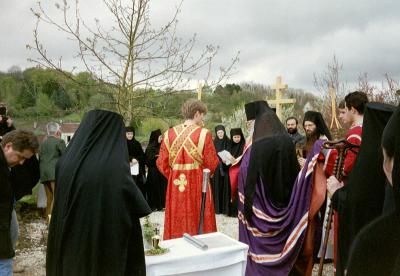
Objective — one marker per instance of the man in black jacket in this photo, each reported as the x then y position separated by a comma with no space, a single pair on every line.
16,147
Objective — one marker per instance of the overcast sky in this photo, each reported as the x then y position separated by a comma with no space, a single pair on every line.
290,38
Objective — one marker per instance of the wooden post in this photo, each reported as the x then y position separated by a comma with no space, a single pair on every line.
279,101
334,120
199,91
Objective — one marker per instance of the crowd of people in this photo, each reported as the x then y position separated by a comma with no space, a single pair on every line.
277,182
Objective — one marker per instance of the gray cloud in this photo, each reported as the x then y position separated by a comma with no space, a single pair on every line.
294,39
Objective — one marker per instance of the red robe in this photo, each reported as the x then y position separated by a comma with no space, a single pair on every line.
353,136
185,151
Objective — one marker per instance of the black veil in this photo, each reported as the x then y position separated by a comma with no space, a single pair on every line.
95,228
153,140
391,143
236,149
272,158
318,120
220,144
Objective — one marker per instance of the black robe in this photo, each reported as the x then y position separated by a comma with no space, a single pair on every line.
236,150
6,207
25,177
272,159
156,182
361,200
376,249
95,227
135,151
218,179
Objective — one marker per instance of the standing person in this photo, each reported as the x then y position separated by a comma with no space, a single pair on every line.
315,129
361,199
95,227
376,249
221,142
185,151
6,123
291,126
156,182
136,157
235,148
351,113
272,218
16,147
49,153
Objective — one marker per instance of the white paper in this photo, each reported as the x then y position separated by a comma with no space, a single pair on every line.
227,157
135,169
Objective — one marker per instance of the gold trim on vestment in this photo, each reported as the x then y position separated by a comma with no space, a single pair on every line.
185,167
166,140
180,140
202,140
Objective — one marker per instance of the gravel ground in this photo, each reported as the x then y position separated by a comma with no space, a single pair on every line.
31,248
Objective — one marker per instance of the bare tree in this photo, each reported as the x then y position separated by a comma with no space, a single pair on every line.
130,56
387,93
325,82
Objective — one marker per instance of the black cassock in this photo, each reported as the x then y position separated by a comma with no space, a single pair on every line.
376,249
95,227
235,149
218,179
135,151
156,182
361,200
24,177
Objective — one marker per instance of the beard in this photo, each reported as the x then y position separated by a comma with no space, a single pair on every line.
292,130
311,138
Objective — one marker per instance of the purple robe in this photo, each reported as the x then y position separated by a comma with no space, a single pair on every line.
275,235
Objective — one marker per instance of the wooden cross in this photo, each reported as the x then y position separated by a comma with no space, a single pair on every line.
199,91
332,93
279,101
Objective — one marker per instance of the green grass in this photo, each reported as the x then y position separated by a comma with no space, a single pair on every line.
30,199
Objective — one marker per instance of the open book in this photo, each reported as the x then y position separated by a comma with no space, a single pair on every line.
227,157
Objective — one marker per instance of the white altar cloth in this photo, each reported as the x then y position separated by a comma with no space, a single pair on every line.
224,256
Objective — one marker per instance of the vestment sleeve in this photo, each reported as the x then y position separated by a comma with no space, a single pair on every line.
328,157
210,158
163,160
351,154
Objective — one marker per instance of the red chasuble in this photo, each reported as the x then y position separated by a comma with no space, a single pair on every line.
185,151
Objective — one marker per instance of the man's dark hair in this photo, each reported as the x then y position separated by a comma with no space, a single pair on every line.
342,104
292,118
356,99
21,140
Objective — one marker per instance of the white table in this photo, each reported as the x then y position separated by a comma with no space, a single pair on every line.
224,256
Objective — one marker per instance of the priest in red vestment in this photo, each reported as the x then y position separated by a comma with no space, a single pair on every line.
185,151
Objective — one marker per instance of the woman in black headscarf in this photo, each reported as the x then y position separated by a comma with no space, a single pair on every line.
376,250
235,148
95,227
237,142
156,182
136,154
221,142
